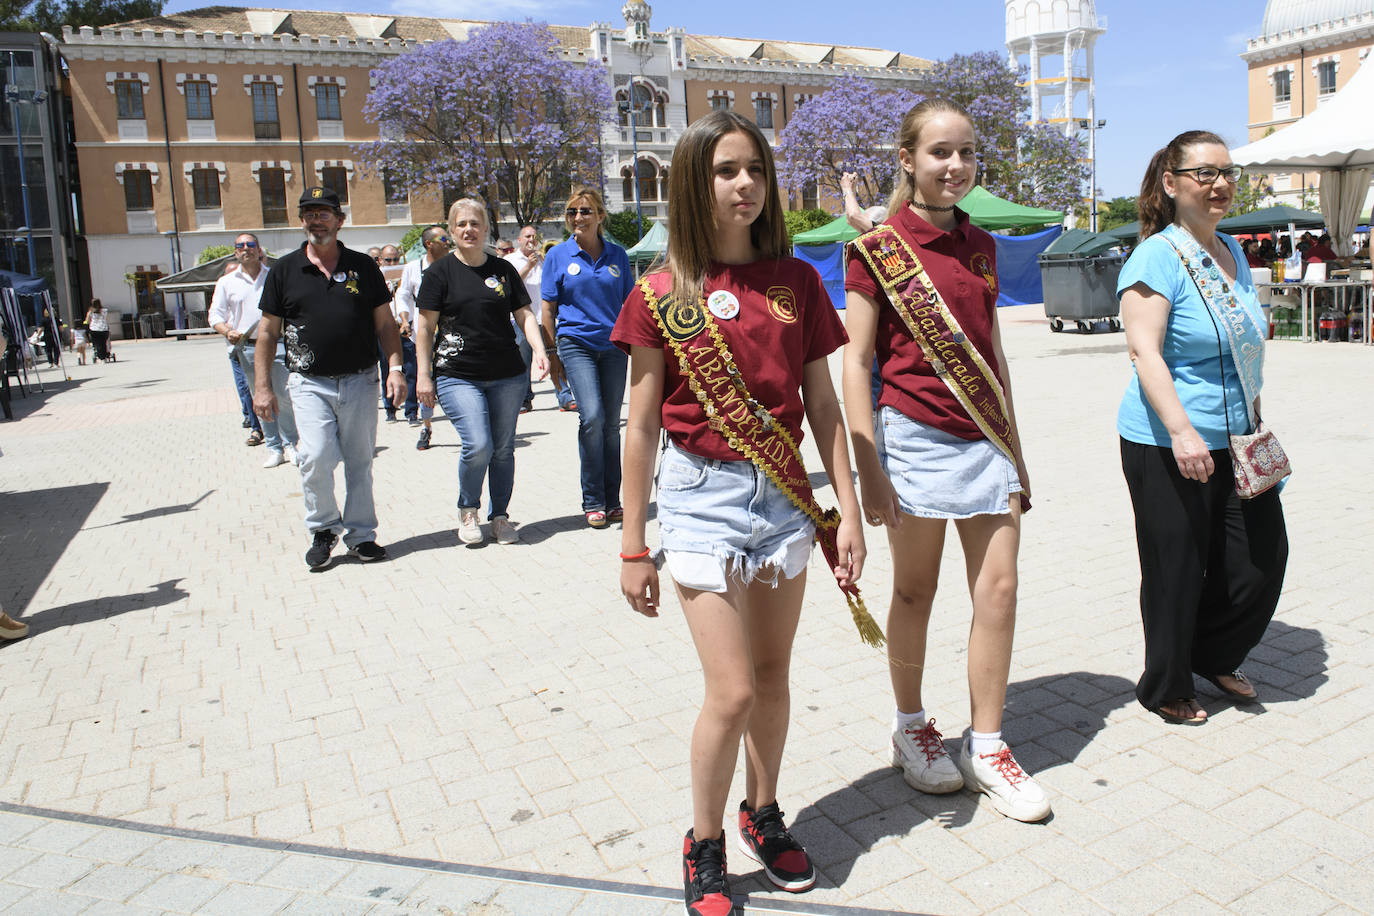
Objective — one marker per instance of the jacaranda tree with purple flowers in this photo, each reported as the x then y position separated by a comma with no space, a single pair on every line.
500,114
850,127
1049,171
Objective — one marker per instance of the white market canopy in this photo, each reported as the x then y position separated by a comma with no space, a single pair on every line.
1337,140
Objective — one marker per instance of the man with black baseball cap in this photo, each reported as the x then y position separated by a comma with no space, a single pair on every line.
331,305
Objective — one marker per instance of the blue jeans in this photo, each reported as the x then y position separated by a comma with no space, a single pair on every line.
597,378
245,391
484,413
337,421
411,370
282,430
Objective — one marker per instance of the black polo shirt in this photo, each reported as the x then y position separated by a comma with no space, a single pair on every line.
328,322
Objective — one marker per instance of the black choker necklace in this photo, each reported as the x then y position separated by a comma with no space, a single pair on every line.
932,209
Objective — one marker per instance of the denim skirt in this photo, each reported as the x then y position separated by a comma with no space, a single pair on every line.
938,475
720,519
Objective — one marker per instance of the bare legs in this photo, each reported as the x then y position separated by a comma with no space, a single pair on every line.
991,544
744,639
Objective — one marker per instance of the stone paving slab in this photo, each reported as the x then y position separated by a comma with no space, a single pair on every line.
499,707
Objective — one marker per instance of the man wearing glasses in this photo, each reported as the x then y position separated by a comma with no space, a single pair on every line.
437,244
332,306
234,313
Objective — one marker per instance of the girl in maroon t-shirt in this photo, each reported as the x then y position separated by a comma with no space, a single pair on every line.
928,461
736,546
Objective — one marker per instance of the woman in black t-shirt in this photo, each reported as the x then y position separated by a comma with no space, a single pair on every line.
468,361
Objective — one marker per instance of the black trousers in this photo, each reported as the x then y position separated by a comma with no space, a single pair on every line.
1211,569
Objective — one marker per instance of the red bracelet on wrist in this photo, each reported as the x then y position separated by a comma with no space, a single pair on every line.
635,556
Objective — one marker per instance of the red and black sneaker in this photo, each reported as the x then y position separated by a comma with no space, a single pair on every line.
704,883
764,838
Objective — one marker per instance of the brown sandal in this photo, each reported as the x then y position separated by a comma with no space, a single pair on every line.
1197,717
1249,696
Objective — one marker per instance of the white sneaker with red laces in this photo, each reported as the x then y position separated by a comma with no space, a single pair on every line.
998,776
919,752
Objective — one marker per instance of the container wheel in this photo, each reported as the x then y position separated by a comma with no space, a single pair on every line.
1056,325
1085,327
1114,324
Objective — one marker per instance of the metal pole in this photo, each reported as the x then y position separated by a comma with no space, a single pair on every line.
1092,169
634,143
12,90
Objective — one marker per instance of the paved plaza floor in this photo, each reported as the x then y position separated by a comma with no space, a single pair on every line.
197,723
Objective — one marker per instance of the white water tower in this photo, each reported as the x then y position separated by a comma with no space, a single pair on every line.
1055,39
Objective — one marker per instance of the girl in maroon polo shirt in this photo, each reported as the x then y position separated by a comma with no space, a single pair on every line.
928,461
736,546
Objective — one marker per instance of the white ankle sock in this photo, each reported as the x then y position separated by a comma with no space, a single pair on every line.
901,720
984,742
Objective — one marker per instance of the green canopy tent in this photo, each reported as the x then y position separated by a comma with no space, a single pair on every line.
987,211
1272,218
837,230
651,247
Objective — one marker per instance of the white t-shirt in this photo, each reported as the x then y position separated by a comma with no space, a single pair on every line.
235,301
532,280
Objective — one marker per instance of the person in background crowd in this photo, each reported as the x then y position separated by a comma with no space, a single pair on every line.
1252,255
393,272
504,247
735,541
375,253
528,259
1320,250
1211,565
331,305
585,282
862,220
944,447
234,313
469,362
437,243
1268,254
98,325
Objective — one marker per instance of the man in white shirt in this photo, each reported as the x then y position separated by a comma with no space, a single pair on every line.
234,313
528,260
437,245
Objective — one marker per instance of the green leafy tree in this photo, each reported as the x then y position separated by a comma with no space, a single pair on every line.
1252,193
624,228
51,15
214,251
804,220
1116,212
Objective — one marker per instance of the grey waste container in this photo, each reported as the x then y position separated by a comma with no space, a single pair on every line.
1082,289
153,324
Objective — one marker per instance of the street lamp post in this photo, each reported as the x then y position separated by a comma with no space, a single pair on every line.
12,93
1092,126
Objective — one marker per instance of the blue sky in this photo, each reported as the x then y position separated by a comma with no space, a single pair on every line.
1162,67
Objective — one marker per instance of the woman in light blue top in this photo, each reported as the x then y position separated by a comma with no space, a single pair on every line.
1211,565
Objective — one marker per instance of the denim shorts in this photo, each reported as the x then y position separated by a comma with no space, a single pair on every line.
937,475
726,518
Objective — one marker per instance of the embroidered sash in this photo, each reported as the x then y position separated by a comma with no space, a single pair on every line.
1242,329
946,347
747,425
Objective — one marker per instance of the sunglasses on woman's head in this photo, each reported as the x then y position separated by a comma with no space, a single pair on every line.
580,211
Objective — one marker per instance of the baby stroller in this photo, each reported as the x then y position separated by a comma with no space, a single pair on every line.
100,341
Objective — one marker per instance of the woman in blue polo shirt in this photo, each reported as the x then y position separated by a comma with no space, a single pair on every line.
586,280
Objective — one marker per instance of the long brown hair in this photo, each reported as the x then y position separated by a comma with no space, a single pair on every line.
1156,209
913,122
692,204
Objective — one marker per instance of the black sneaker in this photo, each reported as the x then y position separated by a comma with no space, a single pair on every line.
424,439
764,838
705,886
368,551
317,557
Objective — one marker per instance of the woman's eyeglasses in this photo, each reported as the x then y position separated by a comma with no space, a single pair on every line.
580,211
245,244
1206,174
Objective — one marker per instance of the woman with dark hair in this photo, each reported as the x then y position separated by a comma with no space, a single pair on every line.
468,361
586,280
1211,565
733,320
921,292
98,324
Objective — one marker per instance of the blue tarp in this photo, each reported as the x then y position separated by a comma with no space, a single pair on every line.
829,263
1018,270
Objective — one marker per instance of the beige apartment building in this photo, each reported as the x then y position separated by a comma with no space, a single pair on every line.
1306,52
193,126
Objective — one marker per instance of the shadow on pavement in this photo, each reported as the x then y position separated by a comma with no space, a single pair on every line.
92,609
1289,664
160,512
35,528
866,814
24,405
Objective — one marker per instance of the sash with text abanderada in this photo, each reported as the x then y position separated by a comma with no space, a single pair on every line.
706,362
967,375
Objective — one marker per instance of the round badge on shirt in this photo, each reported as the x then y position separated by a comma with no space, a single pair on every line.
340,276
490,282
723,304
574,270
613,271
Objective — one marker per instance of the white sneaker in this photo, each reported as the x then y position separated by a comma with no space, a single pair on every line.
274,459
469,529
292,456
921,756
1010,789
503,529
